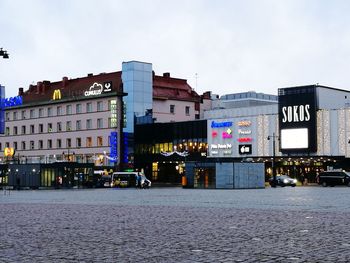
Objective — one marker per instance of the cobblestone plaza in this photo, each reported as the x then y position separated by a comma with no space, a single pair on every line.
302,224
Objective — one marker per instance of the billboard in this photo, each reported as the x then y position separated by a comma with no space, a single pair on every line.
233,137
297,119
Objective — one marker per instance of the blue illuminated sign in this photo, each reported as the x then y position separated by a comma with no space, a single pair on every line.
125,153
2,112
221,124
12,102
113,148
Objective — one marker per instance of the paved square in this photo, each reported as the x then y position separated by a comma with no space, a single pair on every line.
305,224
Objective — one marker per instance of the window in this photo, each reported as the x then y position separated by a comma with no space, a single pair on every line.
23,143
23,129
49,112
14,145
99,106
78,125
7,131
68,126
32,114
187,110
99,141
40,144
49,127
78,142
41,128
41,113
15,115
88,142
7,144
0,146
15,130
69,143
59,143
99,123
172,109
32,129
49,144
23,114
32,145
78,108
59,110
7,116
89,107
68,109
59,126
88,124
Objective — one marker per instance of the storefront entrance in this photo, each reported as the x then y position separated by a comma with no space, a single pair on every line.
204,177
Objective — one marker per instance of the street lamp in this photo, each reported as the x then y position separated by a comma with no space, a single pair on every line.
4,53
273,137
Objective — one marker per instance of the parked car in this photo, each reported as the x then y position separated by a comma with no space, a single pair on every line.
283,180
333,178
129,179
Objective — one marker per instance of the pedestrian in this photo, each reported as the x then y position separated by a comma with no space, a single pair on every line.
302,178
18,182
138,180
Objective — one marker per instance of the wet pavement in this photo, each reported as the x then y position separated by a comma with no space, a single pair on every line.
302,224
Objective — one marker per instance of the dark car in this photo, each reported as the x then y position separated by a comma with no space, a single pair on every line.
333,178
283,180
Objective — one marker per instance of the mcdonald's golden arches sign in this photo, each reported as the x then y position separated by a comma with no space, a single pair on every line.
56,94
9,151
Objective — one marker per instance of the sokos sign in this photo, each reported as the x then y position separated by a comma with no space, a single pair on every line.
297,119
296,113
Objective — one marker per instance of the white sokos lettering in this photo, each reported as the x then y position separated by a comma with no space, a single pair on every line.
298,113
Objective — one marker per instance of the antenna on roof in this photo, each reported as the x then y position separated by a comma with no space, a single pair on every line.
196,76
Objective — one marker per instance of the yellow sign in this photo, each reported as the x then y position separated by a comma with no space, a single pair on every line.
56,94
9,152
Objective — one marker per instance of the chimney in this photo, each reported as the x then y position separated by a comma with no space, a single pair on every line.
31,88
39,85
64,82
20,92
90,74
46,85
166,74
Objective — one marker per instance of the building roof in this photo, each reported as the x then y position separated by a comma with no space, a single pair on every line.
167,88
164,88
69,88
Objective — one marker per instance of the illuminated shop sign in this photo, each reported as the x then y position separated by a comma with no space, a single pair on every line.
124,115
221,146
245,139
244,123
297,119
12,102
244,132
113,113
9,152
227,134
221,124
245,149
296,113
98,89
57,94
113,147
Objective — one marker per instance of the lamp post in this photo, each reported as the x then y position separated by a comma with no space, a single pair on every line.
273,137
4,53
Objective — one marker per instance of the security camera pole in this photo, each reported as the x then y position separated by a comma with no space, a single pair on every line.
273,158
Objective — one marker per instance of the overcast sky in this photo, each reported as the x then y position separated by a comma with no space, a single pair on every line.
233,46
